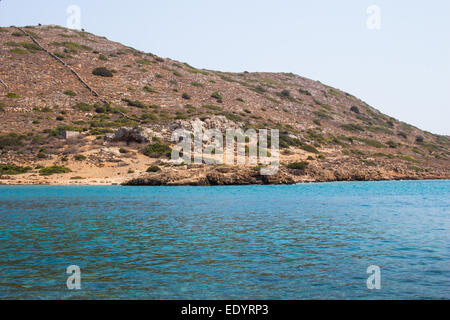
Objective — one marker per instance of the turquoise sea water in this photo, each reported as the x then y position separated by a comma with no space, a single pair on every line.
311,241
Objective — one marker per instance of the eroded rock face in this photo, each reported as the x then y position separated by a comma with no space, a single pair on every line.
220,123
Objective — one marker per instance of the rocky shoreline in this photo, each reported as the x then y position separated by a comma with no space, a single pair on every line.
223,176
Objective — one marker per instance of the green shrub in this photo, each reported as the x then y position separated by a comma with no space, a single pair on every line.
176,73
144,61
72,47
323,115
102,72
355,109
18,51
153,169
31,47
156,150
48,171
135,103
212,107
392,144
186,96
285,94
59,118
103,57
352,127
12,169
373,143
83,106
12,95
70,93
80,157
216,96
305,92
309,148
148,89
298,165
44,109
197,84
149,116
286,141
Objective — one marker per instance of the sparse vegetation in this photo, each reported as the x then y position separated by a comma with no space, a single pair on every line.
11,140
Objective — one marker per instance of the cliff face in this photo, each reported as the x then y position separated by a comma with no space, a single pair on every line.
55,80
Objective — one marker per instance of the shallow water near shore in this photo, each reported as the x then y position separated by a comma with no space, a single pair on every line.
309,241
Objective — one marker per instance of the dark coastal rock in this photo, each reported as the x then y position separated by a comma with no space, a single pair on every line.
211,176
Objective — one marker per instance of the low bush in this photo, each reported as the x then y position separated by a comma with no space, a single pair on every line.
153,169
12,169
69,93
305,92
80,157
355,109
352,127
135,103
197,84
149,90
18,51
285,94
102,72
12,95
216,96
31,47
298,165
48,171
212,107
157,150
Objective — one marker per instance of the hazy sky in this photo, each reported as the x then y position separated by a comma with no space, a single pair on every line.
403,69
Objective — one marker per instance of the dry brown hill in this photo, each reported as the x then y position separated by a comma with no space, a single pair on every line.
42,95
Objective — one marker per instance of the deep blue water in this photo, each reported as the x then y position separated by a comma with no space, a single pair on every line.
306,241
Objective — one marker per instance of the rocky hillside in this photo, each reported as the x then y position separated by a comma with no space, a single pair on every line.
69,101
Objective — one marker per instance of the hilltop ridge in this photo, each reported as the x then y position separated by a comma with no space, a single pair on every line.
55,80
